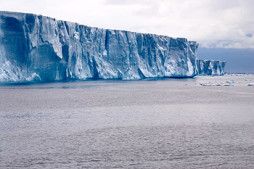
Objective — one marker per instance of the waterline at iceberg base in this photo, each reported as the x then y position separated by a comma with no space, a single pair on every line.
40,48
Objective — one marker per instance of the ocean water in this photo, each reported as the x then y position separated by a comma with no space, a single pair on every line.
204,122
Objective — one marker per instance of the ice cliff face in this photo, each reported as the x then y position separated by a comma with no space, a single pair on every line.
210,67
35,47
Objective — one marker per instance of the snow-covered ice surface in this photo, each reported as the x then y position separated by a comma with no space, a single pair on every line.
169,123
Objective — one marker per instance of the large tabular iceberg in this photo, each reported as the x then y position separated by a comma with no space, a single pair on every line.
35,47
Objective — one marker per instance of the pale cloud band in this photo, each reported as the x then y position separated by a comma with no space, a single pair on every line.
213,23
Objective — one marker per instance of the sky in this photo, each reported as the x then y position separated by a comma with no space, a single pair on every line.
213,23
237,60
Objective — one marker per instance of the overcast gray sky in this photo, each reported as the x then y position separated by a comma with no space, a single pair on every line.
213,23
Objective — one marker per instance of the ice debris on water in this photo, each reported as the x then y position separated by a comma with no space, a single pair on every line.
227,83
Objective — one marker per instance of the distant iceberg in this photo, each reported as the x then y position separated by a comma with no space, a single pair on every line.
210,67
40,48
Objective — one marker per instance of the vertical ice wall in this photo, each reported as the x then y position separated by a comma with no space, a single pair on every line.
210,67
35,47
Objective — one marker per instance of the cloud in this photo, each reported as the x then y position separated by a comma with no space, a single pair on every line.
213,23
128,2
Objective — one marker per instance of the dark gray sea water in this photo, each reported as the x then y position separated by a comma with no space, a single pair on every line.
205,122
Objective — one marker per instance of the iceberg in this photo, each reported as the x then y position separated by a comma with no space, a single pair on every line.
39,48
210,67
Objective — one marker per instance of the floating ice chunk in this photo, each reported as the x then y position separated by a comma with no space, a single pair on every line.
229,83
207,84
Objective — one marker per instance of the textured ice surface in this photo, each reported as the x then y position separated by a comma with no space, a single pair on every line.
35,47
210,67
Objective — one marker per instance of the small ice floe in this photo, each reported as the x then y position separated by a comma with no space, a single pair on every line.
251,84
206,84
229,83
